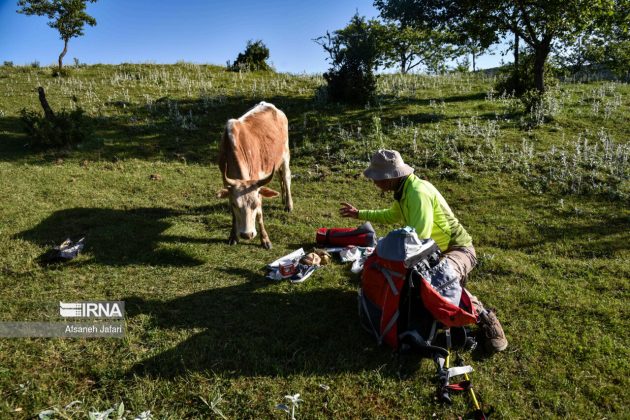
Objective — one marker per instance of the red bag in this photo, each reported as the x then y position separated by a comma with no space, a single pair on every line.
364,235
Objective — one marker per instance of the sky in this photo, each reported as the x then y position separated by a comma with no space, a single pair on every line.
197,31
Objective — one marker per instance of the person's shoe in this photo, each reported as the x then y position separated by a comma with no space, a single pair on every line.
304,272
492,333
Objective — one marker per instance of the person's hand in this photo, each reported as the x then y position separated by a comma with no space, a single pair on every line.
348,210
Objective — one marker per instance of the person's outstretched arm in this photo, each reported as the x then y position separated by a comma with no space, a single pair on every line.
390,215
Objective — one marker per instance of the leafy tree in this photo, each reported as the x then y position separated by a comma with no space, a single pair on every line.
470,42
606,44
539,23
67,16
355,52
613,55
408,47
437,35
253,58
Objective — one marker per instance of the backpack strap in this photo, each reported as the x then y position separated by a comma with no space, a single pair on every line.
379,336
345,234
366,311
459,387
388,276
433,331
418,343
459,370
389,326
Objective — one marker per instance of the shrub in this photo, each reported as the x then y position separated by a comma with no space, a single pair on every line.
35,64
350,84
539,107
8,64
64,130
354,55
63,72
254,58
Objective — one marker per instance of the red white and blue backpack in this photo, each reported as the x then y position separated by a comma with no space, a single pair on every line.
411,299
407,274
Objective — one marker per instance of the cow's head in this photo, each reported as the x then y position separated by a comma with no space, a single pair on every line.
245,199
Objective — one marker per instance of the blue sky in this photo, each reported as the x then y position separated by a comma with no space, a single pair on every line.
211,31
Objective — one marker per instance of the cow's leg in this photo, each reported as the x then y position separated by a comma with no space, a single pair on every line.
233,239
285,183
264,237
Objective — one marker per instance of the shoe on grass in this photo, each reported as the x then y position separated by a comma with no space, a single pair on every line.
303,272
492,334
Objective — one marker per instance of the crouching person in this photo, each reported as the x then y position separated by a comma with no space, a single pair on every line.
417,203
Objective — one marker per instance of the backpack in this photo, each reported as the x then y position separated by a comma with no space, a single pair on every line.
411,299
406,285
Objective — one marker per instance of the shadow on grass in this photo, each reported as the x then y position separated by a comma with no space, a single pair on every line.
173,129
116,237
397,109
479,96
415,118
12,139
504,116
587,239
249,331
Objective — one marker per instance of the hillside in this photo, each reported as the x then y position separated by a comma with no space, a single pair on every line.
545,196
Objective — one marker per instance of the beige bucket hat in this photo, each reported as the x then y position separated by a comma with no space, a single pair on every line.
387,164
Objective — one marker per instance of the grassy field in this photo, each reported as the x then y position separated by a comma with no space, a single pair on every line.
545,196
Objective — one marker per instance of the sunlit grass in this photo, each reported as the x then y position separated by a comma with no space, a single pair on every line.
547,206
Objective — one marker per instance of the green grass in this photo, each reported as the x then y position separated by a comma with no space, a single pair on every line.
550,220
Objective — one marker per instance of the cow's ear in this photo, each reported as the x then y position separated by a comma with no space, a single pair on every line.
222,193
268,192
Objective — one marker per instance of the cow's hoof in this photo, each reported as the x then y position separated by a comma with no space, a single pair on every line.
232,241
288,209
267,244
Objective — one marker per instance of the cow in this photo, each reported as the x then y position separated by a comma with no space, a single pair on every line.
252,149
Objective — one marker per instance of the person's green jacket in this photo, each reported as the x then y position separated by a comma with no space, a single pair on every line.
421,206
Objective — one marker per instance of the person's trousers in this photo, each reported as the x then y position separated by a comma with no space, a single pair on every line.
463,260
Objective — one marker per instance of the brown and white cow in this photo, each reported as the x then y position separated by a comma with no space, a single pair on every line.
252,149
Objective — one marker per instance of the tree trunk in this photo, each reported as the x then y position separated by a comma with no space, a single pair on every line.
516,51
48,112
474,56
63,53
403,63
579,61
540,57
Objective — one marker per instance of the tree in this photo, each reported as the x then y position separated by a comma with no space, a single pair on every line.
431,38
475,49
408,47
355,52
253,58
67,16
539,23
607,44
